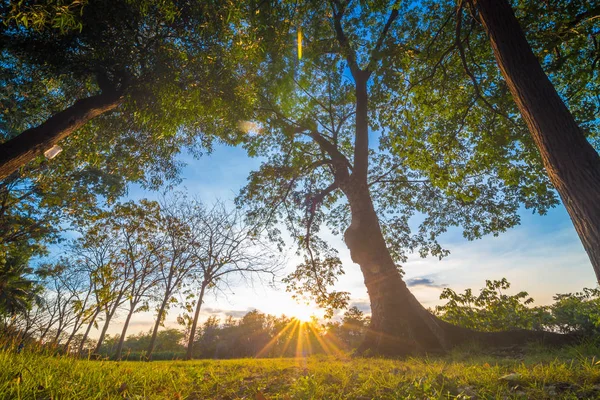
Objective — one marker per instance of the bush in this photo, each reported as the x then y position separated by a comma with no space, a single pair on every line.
577,312
492,310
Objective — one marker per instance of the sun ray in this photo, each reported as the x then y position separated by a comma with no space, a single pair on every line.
299,341
274,339
328,348
296,324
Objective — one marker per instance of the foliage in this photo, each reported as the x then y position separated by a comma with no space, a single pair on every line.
495,310
18,289
451,151
542,374
168,341
577,312
492,310
177,63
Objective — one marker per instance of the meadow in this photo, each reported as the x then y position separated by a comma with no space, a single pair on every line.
535,372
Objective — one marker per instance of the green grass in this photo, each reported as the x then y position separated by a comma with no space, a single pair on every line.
536,373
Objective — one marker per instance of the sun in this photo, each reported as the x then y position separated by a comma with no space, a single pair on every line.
302,313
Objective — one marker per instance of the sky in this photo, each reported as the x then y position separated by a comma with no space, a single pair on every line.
542,256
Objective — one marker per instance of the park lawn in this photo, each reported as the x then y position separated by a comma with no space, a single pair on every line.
535,373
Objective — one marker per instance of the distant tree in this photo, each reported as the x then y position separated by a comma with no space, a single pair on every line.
223,248
577,312
83,289
176,263
351,330
98,251
136,226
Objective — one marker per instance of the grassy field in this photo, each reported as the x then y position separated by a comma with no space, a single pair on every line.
534,373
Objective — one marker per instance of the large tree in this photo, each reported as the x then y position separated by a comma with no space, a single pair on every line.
317,117
570,160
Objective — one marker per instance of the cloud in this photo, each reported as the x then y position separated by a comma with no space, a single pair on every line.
236,313
362,305
210,310
412,282
233,313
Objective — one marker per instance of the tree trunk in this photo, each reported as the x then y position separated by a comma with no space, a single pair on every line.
123,333
45,332
570,160
399,323
109,316
87,331
76,327
190,347
156,326
33,142
59,331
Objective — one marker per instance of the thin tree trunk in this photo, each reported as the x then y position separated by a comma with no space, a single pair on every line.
59,331
123,333
76,327
156,326
190,347
45,332
103,332
570,160
87,331
33,142
109,316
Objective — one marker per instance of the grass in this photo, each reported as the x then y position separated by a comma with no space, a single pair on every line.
535,373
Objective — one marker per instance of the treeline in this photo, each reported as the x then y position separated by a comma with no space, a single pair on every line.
135,257
254,335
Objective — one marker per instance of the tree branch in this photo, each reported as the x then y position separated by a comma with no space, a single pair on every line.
376,53
348,52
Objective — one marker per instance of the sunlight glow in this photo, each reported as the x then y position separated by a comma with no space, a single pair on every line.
299,43
309,340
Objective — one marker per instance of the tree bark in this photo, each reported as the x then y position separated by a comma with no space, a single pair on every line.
569,159
123,333
161,311
399,323
33,142
190,347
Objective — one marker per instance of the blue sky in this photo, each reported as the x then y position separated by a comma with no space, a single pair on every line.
542,256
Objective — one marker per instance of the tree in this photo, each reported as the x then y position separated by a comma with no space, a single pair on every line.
97,251
18,291
224,248
164,70
314,124
571,162
350,331
136,226
176,259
